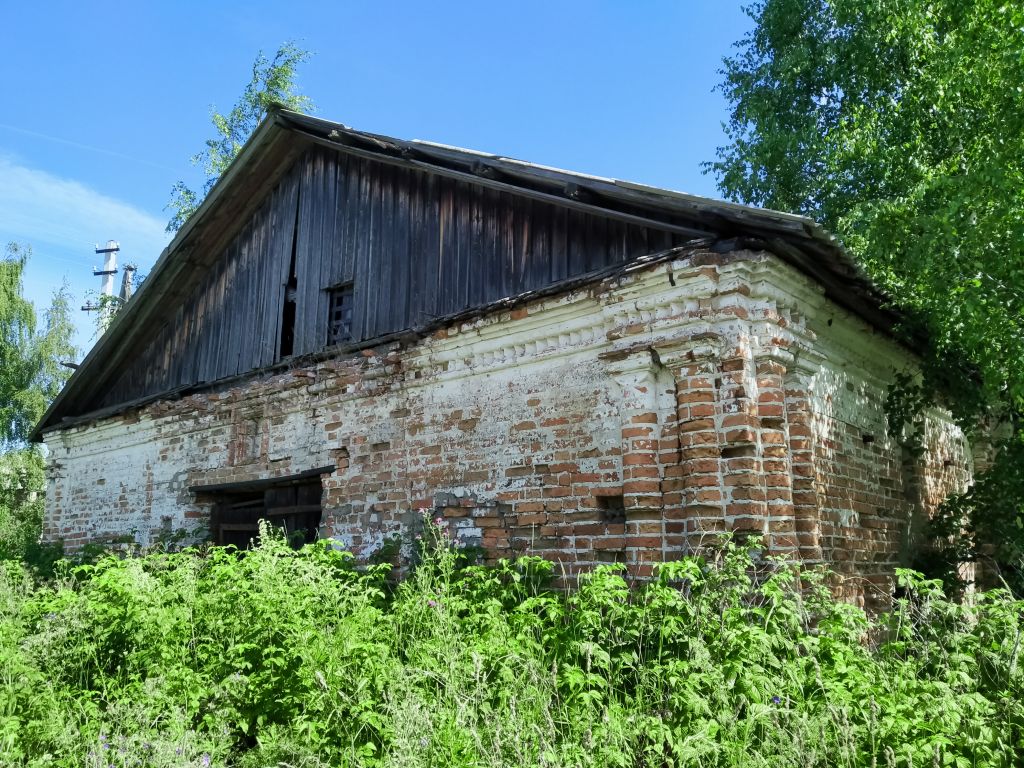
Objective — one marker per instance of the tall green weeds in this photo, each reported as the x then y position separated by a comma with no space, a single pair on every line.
283,658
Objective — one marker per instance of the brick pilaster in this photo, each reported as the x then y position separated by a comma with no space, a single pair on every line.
642,426
776,458
734,444
694,484
746,509
641,431
806,504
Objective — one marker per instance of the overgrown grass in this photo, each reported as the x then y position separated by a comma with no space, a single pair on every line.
277,657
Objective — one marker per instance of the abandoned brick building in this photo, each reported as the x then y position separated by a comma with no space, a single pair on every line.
354,330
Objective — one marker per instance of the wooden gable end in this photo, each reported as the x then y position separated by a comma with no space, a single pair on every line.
409,246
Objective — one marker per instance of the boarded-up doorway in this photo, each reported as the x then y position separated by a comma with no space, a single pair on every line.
291,504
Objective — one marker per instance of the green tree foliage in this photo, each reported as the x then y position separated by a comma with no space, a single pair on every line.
276,657
272,83
30,377
899,124
30,371
22,489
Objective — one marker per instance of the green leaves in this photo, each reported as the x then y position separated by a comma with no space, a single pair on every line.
30,352
31,375
272,84
273,657
899,124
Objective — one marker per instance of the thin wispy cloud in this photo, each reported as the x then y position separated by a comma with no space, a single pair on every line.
46,210
86,147
63,219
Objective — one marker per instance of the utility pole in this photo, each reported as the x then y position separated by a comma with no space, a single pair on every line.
106,275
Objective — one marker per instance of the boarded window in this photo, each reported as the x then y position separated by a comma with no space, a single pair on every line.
339,322
294,508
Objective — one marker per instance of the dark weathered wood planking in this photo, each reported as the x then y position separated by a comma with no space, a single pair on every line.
415,246
307,249
283,214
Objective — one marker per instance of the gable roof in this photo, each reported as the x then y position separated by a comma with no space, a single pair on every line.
284,135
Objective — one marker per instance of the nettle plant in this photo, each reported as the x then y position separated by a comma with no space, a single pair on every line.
273,656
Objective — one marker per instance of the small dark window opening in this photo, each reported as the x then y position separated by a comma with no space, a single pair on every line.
288,323
339,320
290,292
294,508
613,509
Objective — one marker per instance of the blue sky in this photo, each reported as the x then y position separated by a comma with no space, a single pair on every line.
104,102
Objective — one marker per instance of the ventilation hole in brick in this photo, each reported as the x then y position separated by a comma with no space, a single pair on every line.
771,423
613,509
947,463
868,438
742,536
737,451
